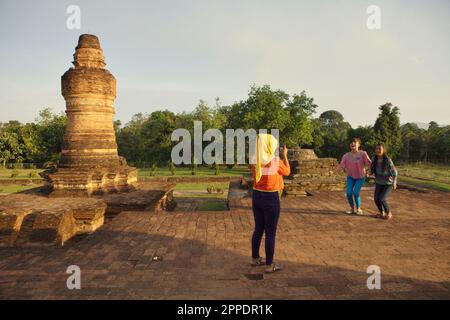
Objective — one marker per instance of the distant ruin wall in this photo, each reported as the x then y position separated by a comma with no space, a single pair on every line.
310,173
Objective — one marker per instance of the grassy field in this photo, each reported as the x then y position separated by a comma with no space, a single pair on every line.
425,175
16,188
200,186
212,205
200,172
197,193
143,172
19,174
425,184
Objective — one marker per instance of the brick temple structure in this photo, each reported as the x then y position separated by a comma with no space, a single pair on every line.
89,167
310,173
89,161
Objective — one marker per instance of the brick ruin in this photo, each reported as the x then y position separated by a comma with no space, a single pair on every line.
310,173
89,161
90,166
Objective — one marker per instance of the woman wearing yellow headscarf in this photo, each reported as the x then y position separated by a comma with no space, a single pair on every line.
268,172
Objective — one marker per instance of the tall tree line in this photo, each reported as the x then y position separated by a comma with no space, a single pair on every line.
146,138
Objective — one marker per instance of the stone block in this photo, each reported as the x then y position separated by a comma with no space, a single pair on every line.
10,224
52,227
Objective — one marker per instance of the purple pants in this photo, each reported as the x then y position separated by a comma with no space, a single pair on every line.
266,211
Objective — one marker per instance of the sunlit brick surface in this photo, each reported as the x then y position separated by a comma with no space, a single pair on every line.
324,252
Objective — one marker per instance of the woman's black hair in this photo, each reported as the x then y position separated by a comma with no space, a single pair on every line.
385,159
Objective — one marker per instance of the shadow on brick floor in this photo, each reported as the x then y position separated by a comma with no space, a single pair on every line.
120,264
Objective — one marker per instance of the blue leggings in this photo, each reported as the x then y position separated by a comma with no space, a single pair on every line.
352,191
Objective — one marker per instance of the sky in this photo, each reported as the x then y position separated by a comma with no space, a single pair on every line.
170,54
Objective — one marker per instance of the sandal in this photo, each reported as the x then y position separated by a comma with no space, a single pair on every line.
258,262
388,216
359,212
351,211
272,268
380,215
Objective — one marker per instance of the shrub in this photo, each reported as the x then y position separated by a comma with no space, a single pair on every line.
193,169
32,175
171,167
49,164
153,169
216,169
14,174
17,165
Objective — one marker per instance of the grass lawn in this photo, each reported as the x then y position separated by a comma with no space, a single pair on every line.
201,186
198,190
15,188
212,205
143,172
426,171
201,172
19,174
426,175
429,184
195,193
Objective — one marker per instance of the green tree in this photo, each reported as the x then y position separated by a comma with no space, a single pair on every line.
50,129
146,138
10,148
275,109
367,136
299,128
387,128
333,133
156,132
130,140
411,137
433,139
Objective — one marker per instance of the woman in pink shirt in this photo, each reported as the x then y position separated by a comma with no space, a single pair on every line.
354,163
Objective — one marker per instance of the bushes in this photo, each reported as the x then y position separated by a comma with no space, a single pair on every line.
216,169
14,174
171,167
213,189
153,169
193,169
32,175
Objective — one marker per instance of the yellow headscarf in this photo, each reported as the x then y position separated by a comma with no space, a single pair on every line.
266,146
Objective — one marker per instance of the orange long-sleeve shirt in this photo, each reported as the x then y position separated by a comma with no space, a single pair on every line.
272,182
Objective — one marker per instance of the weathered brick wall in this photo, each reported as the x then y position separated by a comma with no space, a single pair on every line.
309,173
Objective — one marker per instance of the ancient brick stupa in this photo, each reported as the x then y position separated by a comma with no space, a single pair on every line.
89,161
310,173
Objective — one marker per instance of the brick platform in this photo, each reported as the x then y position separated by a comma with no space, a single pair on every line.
33,218
324,252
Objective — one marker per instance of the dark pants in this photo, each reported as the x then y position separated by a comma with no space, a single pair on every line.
380,197
266,210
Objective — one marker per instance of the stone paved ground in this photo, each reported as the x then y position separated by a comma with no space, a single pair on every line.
206,255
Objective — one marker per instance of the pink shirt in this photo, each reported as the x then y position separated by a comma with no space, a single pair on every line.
354,164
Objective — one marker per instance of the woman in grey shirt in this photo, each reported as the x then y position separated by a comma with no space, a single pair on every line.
386,180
